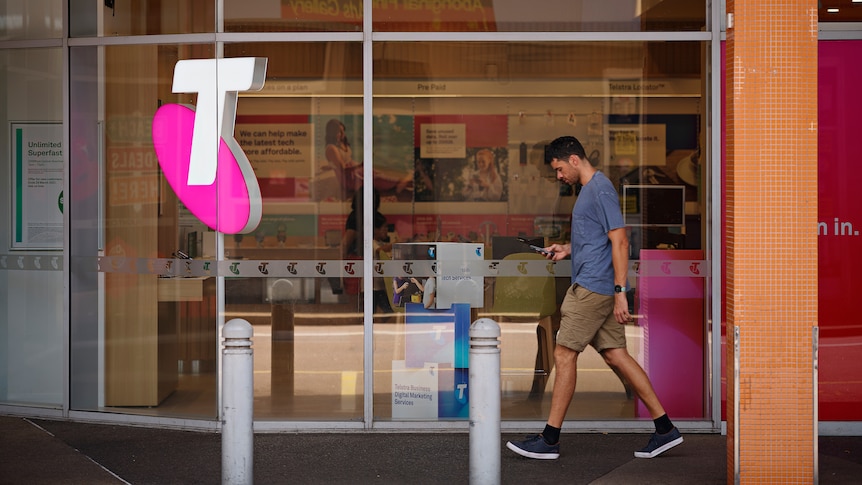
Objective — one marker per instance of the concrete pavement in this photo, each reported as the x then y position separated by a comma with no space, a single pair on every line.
38,451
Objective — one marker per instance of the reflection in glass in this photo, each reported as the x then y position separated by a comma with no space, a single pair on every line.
143,339
479,117
274,16
102,19
159,342
457,168
303,135
160,354
198,16
32,174
34,19
559,16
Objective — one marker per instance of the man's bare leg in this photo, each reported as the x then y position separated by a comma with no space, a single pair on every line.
666,436
566,361
622,361
545,446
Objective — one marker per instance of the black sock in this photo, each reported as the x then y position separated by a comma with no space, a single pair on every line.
551,434
663,424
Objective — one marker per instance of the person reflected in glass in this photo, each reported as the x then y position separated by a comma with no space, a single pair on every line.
351,240
381,245
594,310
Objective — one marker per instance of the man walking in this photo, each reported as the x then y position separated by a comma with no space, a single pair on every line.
595,308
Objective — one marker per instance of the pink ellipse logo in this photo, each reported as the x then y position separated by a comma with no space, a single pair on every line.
224,205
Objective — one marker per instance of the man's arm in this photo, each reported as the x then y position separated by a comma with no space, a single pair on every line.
620,258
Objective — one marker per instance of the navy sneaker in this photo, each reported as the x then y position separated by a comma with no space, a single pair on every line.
535,447
659,443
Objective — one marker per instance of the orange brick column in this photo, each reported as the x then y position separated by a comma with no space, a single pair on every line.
771,240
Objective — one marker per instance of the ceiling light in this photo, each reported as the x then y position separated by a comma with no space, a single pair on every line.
832,10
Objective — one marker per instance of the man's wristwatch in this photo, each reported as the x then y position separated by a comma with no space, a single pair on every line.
619,289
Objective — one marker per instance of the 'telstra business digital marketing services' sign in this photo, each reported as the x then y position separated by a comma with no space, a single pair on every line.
196,148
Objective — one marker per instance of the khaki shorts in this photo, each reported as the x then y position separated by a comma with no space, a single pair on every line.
588,319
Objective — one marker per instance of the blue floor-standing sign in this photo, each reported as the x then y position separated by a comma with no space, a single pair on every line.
436,341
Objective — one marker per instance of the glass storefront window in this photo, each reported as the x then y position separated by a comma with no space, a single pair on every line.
838,11
557,16
283,16
157,343
479,116
197,16
457,173
33,19
143,339
104,19
31,230
303,134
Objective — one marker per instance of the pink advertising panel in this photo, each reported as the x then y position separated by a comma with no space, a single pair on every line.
839,224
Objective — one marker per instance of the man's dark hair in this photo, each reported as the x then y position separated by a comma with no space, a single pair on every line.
563,147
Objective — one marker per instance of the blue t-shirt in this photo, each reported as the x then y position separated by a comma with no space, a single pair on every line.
596,212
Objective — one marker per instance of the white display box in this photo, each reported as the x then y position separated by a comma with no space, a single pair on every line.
454,282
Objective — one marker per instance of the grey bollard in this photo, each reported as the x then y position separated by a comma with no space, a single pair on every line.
484,388
237,434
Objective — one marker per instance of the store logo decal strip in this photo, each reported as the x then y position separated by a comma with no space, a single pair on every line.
166,267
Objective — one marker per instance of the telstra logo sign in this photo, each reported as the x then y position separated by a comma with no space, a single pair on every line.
201,159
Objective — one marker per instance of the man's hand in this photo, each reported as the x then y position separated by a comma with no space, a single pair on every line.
621,309
557,252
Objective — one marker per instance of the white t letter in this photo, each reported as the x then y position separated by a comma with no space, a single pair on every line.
217,82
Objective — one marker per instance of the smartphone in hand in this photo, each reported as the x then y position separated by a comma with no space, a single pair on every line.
534,247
